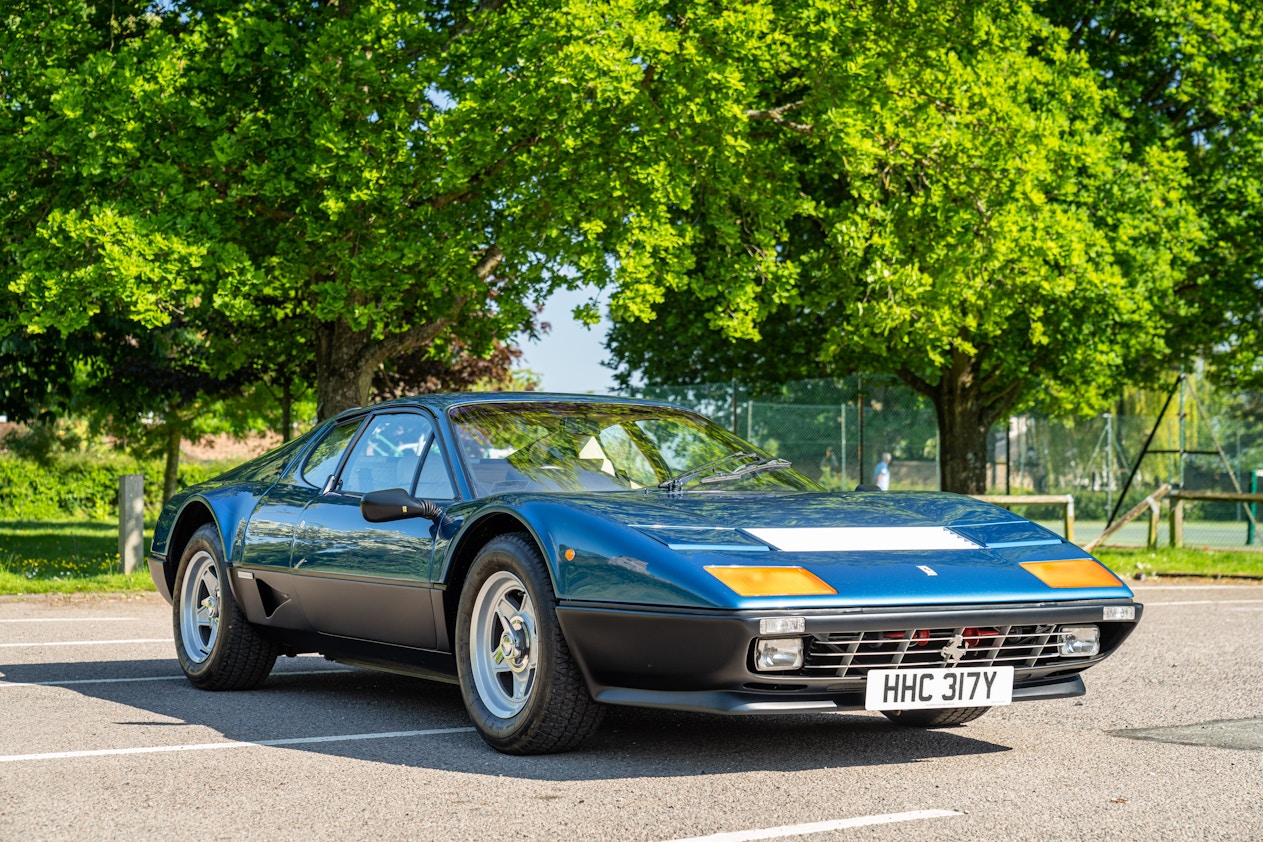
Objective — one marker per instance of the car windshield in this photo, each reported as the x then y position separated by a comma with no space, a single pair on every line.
564,446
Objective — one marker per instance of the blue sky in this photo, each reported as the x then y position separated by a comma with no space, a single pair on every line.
569,356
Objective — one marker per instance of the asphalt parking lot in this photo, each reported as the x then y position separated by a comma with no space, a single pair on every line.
102,738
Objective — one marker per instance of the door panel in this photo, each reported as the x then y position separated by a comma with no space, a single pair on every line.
365,580
370,580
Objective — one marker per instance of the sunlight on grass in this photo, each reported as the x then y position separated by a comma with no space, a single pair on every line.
73,556
1128,563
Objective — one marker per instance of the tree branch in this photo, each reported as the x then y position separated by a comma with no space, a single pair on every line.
475,181
464,26
777,115
916,382
420,335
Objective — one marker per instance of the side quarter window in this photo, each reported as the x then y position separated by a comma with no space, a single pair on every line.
323,460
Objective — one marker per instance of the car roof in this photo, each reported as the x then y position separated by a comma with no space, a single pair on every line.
443,401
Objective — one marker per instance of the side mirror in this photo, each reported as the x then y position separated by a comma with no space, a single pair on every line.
396,504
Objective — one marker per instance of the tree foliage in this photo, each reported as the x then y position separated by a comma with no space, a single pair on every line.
943,193
386,175
988,199
1188,79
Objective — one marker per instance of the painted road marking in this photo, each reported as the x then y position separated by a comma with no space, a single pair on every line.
820,827
296,741
68,619
1143,587
90,642
150,678
1207,602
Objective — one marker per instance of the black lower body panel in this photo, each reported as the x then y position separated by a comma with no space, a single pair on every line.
703,661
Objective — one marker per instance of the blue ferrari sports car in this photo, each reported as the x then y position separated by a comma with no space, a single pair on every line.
555,554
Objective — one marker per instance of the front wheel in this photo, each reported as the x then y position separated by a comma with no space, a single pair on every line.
520,684
934,718
217,648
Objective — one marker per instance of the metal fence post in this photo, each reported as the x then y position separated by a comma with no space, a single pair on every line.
131,522
842,455
1249,526
859,411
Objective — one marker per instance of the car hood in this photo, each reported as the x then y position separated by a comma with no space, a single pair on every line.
874,549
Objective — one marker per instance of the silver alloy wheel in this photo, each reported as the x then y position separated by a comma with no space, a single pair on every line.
504,647
199,607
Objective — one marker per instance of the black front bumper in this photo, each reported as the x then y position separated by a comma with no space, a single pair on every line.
703,661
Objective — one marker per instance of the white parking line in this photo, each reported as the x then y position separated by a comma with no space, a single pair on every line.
89,642
820,827
1145,588
67,619
1207,602
4,684
297,741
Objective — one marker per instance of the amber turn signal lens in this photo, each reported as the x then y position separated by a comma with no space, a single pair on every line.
771,581
1079,573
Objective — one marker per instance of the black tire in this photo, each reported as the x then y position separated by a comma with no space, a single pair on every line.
525,695
936,718
217,648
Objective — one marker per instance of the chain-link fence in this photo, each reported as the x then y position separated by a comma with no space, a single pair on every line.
836,431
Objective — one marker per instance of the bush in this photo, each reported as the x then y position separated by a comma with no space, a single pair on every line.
84,486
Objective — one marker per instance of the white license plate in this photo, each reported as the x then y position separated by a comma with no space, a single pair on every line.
959,687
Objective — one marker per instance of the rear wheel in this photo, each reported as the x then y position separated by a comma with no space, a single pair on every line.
520,684
217,648
937,718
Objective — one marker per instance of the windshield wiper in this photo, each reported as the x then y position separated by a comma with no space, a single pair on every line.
749,470
678,481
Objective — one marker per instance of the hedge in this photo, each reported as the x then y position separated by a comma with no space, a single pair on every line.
84,486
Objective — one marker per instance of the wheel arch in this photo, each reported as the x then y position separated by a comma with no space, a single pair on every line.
469,542
195,514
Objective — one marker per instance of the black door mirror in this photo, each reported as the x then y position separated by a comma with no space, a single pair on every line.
396,504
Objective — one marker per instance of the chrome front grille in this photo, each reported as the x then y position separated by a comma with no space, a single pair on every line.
853,654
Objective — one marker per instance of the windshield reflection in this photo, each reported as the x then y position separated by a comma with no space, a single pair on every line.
563,447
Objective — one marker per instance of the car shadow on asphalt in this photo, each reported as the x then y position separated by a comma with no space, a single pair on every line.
298,703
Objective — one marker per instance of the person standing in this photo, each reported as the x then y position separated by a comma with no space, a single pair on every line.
881,475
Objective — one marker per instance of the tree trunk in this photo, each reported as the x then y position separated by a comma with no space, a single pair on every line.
966,410
346,359
342,376
171,471
962,443
287,409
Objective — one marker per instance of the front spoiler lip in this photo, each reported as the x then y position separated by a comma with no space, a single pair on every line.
739,703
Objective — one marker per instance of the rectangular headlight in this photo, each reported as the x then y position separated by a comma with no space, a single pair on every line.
778,653
1080,641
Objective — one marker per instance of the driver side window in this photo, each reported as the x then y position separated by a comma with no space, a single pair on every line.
388,453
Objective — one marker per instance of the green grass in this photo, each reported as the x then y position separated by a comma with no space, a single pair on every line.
1167,561
71,556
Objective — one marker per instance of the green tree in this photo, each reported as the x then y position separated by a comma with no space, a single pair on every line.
942,193
386,174
1188,78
